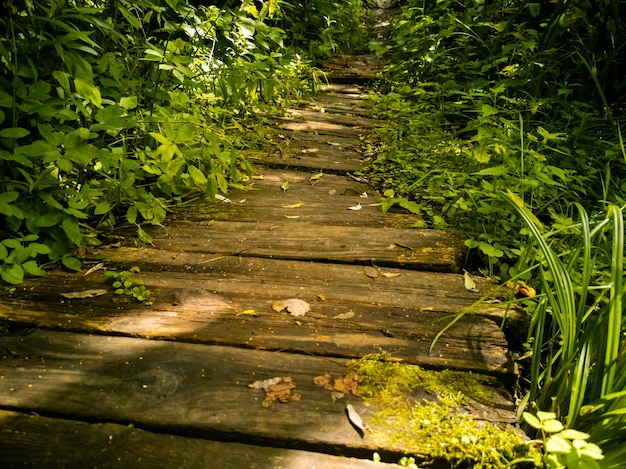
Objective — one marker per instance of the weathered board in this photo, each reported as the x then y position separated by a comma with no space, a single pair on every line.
188,389
204,300
432,250
323,201
69,444
354,69
305,115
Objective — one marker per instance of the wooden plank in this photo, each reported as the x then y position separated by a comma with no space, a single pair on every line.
323,201
200,299
31,441
434,250
185,388
304,115
310,157
322,128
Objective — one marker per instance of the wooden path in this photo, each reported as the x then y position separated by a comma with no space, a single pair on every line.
100,380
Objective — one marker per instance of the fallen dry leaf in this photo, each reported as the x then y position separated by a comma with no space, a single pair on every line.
84,294
355,419
294,306
292,206
347,384
390,274
355,207
277,389
347,315
371,272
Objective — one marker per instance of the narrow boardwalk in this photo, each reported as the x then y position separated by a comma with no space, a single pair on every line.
99,380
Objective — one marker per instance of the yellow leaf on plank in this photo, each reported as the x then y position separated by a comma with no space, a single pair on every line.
292,206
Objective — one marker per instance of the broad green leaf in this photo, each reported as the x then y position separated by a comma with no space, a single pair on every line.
493,171
32,268
129,102
63,79
160,138
13,274
4,252
72,230
8,197
198,177
558,445
49,219
72,263
488,110
14,132
88,91
131,214
552,426
481,154
102,207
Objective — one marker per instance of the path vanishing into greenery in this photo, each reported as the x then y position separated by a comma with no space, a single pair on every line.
258,301
296,234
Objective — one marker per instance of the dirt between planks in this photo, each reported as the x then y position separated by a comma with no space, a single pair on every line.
93,379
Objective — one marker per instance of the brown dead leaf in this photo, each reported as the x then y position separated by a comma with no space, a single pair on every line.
294,306
355,419
279,389
347,384
371,272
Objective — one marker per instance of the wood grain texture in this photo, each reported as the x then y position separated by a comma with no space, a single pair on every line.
185,389
70,444
199,299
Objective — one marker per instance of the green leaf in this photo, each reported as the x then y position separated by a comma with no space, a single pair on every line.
72,230
88,91
32,268
13,274
552,426
102,207
72,263
131,214
493,171
198,177
49,219
558,445
14,132
4,252
129,102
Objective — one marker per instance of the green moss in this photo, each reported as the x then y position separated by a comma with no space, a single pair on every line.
425,413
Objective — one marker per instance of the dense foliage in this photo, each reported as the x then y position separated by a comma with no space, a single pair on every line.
111,111
510,118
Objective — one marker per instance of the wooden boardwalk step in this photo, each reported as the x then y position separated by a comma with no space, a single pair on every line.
113,382
188,389
71,444
201,299
436,251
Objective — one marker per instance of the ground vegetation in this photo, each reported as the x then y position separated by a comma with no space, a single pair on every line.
508,129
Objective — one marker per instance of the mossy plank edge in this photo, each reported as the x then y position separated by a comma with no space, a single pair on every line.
424,249
31,441
197,389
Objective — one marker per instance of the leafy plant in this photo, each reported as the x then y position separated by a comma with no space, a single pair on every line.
577,332
111,112
125,283
564,448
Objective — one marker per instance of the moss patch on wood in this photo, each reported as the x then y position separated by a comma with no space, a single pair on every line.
432,415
